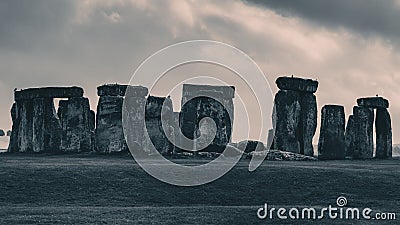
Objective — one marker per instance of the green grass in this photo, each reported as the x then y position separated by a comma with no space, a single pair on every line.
93,189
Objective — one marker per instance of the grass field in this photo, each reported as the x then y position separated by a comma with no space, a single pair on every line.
94,189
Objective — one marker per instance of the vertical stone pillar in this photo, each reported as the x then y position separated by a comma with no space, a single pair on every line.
383,129
363,136
287,119
110,137
109,131
295,115
349,136
47,129
207,101
308,123
331,143
77,122
24,131
157,134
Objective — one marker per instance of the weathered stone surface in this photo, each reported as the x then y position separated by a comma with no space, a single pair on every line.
135,106
295,115
119,90
251,146
277,155
270,138
2,133
77,121
214,102
331,143
383,126
48,92
297,84
218,92
22,129
363,132
46,126
159,136
373,102
109,130
349,136
308,123
286,114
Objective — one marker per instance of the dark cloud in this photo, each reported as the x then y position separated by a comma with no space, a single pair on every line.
370,17
28,24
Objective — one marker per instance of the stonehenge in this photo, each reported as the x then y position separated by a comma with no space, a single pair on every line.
359,131
2,133
331,144
207,113
295,115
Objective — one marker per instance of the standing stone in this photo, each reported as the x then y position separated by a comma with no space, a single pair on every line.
295,115
109,131
47,129
154,128
286,120
134,107
77,123
270,139
331,143
110,135
206,101
308,123
349,136
22,116
363,132
383,134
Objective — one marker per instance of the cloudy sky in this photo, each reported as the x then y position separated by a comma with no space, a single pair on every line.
350,46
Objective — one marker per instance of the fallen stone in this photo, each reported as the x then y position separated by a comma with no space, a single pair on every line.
297,84
331,143
383,127
363,132
48,92
277,155
373,102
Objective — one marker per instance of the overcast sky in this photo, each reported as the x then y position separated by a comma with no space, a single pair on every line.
350,46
